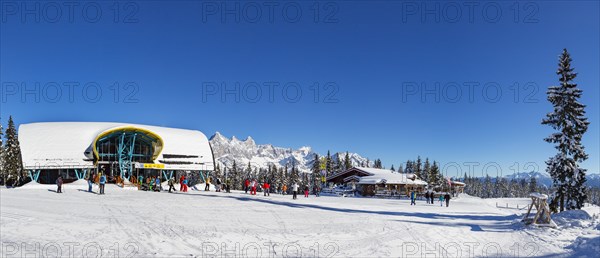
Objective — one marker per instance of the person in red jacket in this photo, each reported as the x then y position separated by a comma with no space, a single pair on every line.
246,185
181,183
266,188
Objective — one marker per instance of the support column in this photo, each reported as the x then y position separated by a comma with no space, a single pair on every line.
34,174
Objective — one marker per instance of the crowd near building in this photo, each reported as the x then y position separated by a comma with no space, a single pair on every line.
122,152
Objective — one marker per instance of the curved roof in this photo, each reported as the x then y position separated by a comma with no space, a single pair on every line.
69,145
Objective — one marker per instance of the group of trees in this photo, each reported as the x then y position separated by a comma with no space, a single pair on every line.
501,187
11,166
427,171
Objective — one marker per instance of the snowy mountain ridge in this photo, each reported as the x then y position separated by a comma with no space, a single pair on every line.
226,150
543,178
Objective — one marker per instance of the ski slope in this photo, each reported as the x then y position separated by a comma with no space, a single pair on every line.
130,223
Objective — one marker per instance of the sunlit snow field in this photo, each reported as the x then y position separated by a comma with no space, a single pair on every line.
36,220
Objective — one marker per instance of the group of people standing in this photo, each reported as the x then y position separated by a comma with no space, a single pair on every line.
430,198
252,186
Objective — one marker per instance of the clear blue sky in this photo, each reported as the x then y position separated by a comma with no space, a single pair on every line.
371,51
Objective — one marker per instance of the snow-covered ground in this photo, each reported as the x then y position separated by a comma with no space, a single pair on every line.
34,220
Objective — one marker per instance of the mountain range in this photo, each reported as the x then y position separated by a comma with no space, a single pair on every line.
226,150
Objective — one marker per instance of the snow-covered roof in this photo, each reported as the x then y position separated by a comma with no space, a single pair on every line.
378,176
458,183
69,144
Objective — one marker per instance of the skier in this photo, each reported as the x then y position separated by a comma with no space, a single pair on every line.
306,191
152,182
413,197
171,184
184,185
228,185
102,183
253,186
427,197
284,189
441,199
218,185
317,190
140,181
295,190
181,183
90,182
207,187
447,198
246,184
59,182
157,184
266,189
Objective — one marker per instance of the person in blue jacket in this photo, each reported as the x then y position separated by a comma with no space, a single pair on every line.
157,184
102,183
413,197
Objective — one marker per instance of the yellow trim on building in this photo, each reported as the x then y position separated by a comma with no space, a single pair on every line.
158,148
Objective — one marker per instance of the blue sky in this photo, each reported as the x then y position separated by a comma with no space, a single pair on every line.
375,66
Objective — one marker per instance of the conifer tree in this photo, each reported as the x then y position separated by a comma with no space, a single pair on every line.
316,171
2,174
533,185
236,180
434,174
400,169
409,167
13,166
568,119
328,164
392,169
347,162
417,168
426,170
337,163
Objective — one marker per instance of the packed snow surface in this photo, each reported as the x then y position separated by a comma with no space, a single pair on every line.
36,220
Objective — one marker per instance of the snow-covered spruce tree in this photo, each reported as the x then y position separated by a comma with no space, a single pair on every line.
400,169
337,164
409,167
568,118
2,174
347,162
316,171
435,176
426,170
533,185
235,176
12,154
417,168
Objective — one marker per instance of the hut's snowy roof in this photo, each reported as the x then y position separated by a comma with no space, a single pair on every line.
378,176
69,144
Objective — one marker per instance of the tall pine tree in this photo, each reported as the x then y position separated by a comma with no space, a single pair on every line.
568,119
13,166
347,162
316,171
2,174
